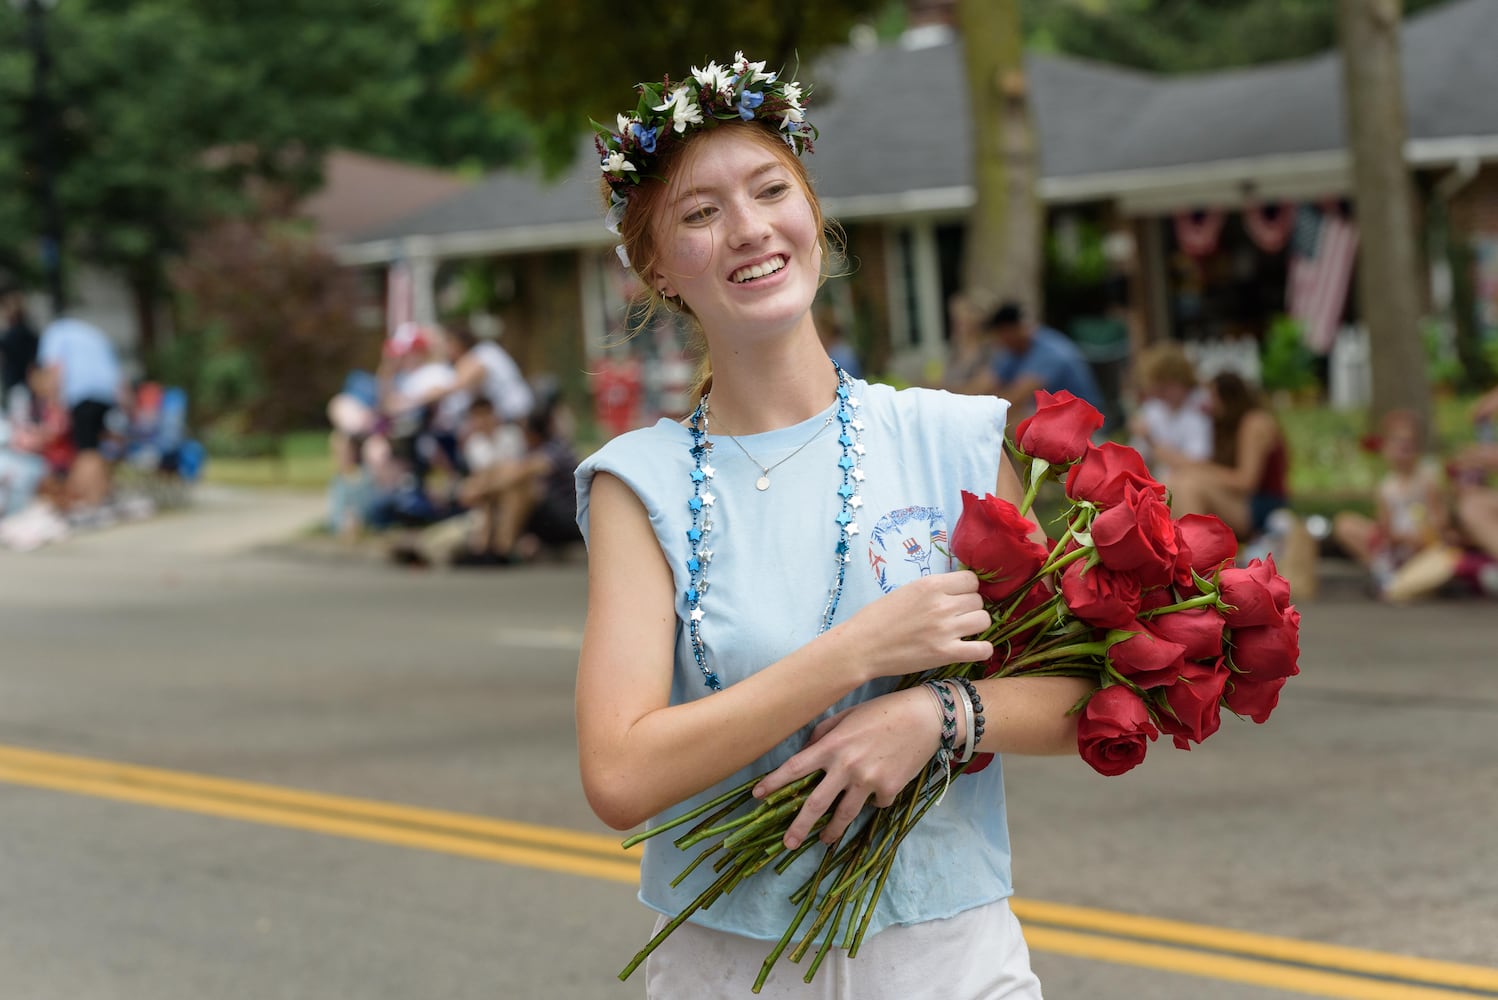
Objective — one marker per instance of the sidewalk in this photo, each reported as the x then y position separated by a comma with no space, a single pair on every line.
218,521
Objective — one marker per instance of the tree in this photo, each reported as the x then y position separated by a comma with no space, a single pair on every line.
1387,265
1186,36
1004,231
172,111
559,64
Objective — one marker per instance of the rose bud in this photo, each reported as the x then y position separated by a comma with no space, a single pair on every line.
1212,544
1265,652
1137,535
1103,473
1146,659
1197,629
1192,704
1253,698
1244,599
1061,428
1101,596
1114,730
993,539
1264,571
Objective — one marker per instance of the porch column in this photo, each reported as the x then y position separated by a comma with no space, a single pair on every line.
929,308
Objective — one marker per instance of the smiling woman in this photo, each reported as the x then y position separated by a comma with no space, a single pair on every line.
759,583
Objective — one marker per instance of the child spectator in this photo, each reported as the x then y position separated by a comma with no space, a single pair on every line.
1171,425
528,502
1410,506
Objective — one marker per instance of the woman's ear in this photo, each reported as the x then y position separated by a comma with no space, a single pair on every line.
664,287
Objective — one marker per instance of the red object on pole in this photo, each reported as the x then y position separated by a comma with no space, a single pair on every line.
616,395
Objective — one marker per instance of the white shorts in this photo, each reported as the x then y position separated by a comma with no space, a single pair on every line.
980,954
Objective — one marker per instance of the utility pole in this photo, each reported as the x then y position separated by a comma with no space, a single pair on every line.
1388,260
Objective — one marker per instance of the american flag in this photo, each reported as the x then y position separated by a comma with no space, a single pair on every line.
1322,251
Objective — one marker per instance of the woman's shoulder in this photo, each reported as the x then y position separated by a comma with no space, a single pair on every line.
919,401
663,444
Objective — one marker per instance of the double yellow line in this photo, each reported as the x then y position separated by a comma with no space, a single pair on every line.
532,846
1318,970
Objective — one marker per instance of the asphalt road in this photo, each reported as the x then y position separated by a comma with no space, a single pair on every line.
270,773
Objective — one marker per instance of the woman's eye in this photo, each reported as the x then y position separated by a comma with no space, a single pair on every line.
775,190
701,214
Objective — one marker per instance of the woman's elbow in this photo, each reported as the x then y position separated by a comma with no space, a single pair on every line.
613,802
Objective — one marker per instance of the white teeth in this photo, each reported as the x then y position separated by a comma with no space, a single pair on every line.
758,270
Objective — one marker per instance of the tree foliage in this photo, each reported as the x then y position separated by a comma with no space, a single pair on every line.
274,313
557,64
1187,36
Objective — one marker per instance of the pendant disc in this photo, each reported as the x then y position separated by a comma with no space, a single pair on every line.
762,483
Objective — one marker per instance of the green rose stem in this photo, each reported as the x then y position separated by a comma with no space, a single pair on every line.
665,931
1200,601
688,816
801,912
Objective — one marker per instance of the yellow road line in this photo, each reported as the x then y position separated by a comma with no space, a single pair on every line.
1290,979
372,830
1279,949
227,788
1172,946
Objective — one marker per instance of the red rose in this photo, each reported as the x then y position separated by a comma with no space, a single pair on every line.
1137,535
992,538
1113,731
1061,428
1099,595
1038,595
1146,659
1245,600
1265,652
1210,542
1193,703
1255,699
1156,597
1198,629
978,763
1265,572
1103,473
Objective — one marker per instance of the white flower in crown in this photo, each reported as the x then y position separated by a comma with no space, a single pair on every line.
624,123
792,94
616,164
752,72
684,110
719,78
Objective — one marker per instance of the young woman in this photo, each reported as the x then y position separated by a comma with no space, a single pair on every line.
761,574
1247,477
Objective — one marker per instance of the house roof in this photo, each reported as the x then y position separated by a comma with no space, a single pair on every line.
361,192
896,138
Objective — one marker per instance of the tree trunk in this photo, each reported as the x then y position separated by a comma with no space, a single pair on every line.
1388,283
1004,230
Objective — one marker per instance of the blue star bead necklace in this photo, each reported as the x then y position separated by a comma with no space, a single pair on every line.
850,465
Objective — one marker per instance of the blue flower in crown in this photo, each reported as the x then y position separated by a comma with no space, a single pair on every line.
748,101
644,136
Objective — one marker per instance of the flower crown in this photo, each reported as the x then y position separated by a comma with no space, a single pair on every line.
667,112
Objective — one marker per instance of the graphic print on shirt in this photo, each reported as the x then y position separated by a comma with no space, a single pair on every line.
907,544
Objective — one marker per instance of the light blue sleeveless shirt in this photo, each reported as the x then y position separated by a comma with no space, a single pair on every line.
768,581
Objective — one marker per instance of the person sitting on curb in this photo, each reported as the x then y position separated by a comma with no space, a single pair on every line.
529,502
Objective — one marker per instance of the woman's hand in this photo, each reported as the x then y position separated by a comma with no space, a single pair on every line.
921,625
869,751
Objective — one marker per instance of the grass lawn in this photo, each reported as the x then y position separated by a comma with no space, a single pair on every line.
303,463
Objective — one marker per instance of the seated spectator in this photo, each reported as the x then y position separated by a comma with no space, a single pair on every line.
972,348
1171,425
1033,357
528,502
1410,506
79,370
22,468
1246,481
1476,506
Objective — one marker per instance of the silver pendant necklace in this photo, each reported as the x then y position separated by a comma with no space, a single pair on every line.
763,482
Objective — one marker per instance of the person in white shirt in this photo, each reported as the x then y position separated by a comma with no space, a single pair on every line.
1171,425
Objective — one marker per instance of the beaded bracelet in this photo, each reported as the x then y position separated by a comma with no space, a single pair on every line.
947,705
975,731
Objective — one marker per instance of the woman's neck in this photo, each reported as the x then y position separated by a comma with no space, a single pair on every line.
760,391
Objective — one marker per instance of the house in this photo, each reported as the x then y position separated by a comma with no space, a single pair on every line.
1156,191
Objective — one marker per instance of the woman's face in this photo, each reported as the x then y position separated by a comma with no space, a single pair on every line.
738,238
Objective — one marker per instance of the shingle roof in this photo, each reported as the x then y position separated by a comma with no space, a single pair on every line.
895,133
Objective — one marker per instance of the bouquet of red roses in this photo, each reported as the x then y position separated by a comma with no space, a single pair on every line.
1150,607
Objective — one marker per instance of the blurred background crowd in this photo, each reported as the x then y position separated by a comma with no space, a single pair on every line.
358,248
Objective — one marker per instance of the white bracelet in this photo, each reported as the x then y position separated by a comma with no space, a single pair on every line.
970,738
